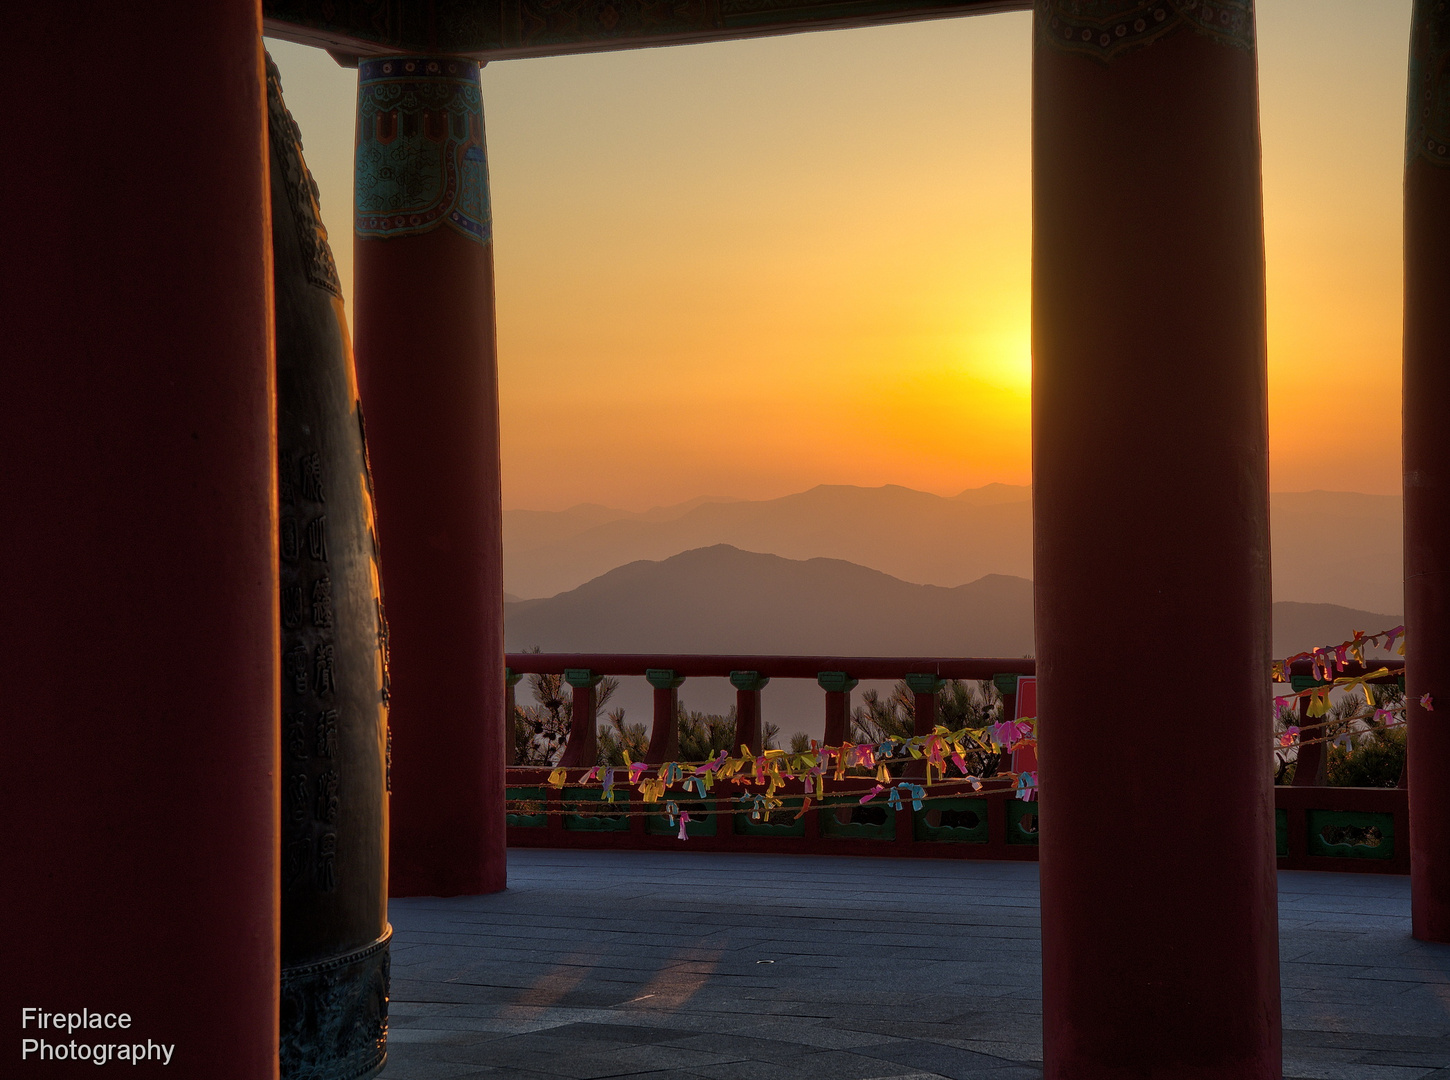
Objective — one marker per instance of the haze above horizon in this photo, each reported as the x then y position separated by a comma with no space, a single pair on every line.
662,508
752,267
1328,547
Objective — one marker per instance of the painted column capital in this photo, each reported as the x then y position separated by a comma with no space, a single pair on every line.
1427,117
925,684
511,677
1105,29
836,682
1006,683
581,678
421,159
748,680
663,678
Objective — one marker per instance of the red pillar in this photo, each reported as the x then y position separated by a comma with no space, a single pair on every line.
1150,487
140,655
427,372
664,738
748,729
1427,469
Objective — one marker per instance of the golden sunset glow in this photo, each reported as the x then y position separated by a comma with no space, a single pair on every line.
748,268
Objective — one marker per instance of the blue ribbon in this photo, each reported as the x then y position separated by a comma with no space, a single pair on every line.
914,792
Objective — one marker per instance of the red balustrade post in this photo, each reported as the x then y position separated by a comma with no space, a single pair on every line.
426,362
1007,690
749,731
1427,468
1151,515
664,738
1007,687
511,716
554,804
1311,768
924,689
838,686
140,652
582,749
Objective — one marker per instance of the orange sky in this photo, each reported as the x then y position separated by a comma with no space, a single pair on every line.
748,268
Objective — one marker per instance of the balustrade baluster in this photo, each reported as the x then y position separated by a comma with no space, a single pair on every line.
1312,769
748,729
582,750
924,689
838,686
664,739
510,717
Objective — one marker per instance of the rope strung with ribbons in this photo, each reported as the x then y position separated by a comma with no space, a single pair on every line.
1329,660
1325,664
941,750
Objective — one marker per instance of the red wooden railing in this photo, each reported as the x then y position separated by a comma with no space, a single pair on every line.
1317,827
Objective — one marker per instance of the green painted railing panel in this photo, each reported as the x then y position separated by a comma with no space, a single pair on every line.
1351,846
874,822
778,826
1021,821
518,816
945,811
1281,831
702,825
592,820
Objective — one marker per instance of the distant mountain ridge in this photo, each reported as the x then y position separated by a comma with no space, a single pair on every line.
893,529
1329,547
720,599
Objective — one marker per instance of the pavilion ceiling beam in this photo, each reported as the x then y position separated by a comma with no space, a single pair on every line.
507,29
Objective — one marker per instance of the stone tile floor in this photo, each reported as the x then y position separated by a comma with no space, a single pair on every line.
651,964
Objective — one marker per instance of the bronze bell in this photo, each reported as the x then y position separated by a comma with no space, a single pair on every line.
335,932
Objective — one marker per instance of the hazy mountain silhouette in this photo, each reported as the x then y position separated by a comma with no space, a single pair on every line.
720,599
1329,547
909,534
